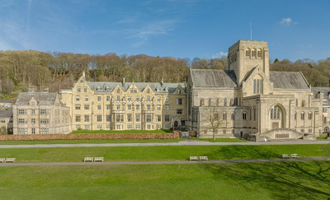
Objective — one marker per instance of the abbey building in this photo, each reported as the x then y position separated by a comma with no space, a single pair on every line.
245,100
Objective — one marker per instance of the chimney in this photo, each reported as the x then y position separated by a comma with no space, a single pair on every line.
124,82
162,81
32,89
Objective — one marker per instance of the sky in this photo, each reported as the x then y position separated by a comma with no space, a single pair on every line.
294,29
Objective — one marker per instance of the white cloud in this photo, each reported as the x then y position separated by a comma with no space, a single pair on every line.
286,21
151,29
220,54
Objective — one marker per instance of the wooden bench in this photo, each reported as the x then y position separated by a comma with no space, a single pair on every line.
284,156
294,156
203,158
2,160
88,159
98,159
193,158
12,160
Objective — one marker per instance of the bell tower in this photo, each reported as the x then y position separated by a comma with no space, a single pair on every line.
244,55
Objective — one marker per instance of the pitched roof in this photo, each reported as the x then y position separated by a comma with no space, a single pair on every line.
325,91
6,113
109,86
213,78
41,98
294,80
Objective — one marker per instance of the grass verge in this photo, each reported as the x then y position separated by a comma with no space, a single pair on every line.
322,137
221,139
282,180
87,141
154,153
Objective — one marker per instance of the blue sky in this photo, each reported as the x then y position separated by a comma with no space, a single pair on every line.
294,29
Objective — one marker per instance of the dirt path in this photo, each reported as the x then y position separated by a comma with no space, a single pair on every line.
165,162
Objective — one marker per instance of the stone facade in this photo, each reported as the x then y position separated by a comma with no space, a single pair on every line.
40,113
248,100
6,121
126,105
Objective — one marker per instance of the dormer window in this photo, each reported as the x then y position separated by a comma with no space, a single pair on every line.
179,91
148,90
98,88
118,91
166,89
107,89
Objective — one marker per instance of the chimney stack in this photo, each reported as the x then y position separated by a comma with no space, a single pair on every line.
32,89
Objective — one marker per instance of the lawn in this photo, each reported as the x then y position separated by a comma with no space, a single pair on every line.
123,131
87,141
153,153
322,137
248,181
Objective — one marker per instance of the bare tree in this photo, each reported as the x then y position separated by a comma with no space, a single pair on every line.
214,119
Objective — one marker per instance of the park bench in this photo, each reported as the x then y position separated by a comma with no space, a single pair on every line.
294,156
88,159
98,159
2,160
203,158
12,160
193,158
284,156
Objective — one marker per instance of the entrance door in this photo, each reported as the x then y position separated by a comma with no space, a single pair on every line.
176,124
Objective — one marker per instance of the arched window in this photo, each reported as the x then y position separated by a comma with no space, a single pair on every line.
202,102
310,116
244,116
118,91
259,54
275,113
257,85
224,116
253,53
247,53
302,116
225,102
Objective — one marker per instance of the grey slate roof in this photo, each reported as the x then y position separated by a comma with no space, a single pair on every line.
294,80
6,113
109,86
213,78
41,98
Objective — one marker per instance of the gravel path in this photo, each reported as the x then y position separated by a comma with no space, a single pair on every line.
181,143
163,162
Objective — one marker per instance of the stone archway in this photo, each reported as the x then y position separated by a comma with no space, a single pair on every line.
277,117
176,125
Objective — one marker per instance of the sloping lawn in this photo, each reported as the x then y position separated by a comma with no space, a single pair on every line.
248,181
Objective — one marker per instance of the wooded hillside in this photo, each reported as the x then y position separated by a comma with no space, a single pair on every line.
59,70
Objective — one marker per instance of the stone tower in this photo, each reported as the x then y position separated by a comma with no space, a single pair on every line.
244,55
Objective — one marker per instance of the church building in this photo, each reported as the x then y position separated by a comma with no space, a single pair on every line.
248,100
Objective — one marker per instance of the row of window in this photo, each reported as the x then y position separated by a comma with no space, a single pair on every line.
33,112
121,127
33,121
148,98
233,102
252,53
302,116
120,118
129,107
22,131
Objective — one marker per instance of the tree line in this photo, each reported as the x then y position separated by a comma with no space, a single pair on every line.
56,70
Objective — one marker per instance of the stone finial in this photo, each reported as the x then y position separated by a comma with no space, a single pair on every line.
83,74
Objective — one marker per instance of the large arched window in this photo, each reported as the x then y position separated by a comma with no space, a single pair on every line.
259,53
247,52
275,113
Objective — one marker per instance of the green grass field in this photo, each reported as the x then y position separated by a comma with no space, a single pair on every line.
165,153
87,141
248,181
322,137
123,131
